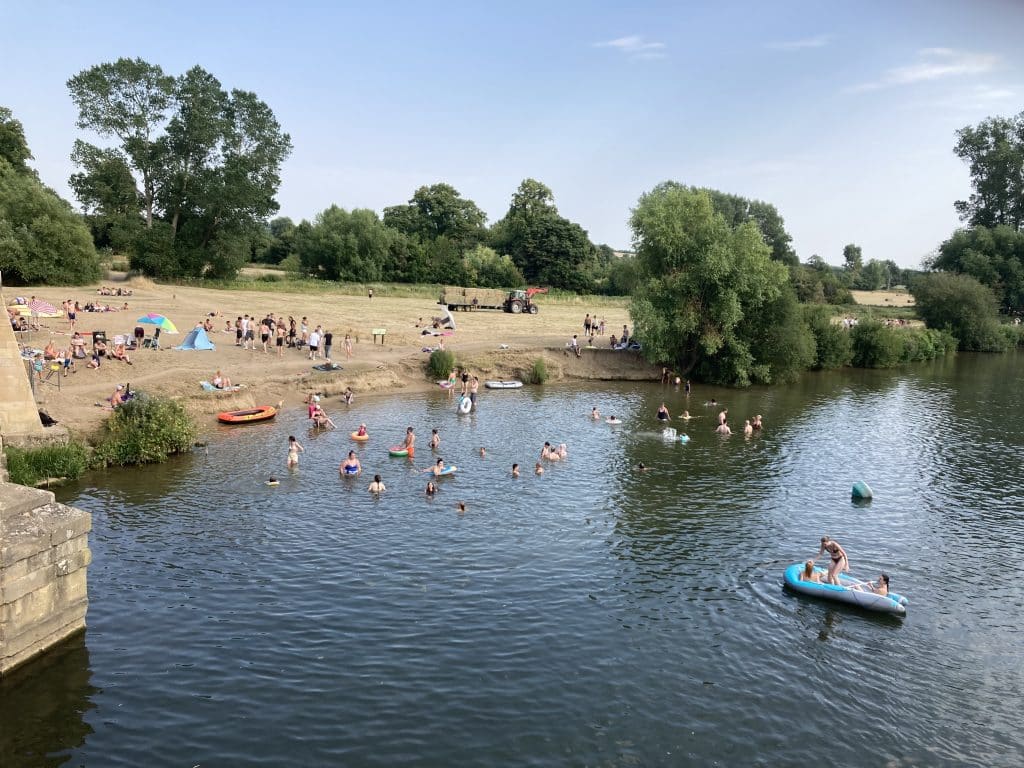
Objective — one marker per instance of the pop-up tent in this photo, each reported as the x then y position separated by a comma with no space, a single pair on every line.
196,339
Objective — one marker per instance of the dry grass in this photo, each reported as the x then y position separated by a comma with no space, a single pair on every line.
892,298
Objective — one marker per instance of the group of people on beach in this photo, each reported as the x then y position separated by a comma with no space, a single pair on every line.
274,331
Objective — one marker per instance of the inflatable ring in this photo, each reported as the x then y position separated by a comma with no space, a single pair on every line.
398,451
357,436
465,404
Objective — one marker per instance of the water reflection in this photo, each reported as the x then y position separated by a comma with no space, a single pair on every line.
43,707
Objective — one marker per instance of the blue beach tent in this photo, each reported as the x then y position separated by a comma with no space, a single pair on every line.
196,339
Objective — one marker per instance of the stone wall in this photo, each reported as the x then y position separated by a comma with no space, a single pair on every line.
19,416
44,552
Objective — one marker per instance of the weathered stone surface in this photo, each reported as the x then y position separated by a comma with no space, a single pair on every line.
44,553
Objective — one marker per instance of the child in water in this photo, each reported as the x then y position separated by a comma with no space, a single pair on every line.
294,448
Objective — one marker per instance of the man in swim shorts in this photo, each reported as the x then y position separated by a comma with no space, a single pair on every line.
410,440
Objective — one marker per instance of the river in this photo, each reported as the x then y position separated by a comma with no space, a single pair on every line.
592,616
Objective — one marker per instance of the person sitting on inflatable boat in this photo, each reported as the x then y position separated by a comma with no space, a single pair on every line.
809,574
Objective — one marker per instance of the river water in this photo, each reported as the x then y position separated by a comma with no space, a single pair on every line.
591,616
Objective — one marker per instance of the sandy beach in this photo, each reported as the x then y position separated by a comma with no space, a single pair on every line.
492,344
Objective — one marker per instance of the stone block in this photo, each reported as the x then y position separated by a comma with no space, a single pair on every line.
18,500
68,523
22,649
35,606
70,547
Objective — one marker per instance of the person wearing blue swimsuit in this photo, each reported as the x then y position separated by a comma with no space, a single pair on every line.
351,465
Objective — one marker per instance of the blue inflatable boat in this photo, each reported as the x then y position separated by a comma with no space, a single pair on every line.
847,593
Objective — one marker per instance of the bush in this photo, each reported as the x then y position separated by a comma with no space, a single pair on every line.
539,373
440,364
145,430
832,341
268,278
961,305
876,345
28,467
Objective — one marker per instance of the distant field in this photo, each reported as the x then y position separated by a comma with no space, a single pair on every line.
897,298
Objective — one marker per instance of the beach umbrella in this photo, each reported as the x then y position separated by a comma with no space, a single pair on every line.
43,308
159,321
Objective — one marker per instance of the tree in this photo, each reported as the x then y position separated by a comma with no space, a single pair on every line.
41,238
738,210
994,150
345,246
872,276
961,305
852,260
438,211
195,166
699,278
486,268
281,241
992,256
13,146
547,248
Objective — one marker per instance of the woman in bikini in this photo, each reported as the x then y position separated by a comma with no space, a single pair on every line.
293,451
839,562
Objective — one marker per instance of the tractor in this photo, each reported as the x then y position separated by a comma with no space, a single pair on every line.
522,301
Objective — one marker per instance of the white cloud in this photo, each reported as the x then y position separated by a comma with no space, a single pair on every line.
818,41
932,64
635,47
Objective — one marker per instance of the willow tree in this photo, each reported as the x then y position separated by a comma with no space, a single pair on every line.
709,294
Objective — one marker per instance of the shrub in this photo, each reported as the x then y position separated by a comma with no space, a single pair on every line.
876,345
145,430
832,341
268,278
962,306
538,374
28,467
440,364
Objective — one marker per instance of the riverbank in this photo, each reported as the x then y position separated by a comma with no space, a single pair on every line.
491,344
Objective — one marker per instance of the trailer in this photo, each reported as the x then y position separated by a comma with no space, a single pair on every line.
457,298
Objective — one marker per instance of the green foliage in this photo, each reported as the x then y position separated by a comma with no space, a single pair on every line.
41,239
1014,335
700,279
30,466
189,155
994,150
438,211
485,268
13,145
441,363
832,344
538,373
962,306
993,256
340,245
738,210
547,248
145,430
876,345
818,283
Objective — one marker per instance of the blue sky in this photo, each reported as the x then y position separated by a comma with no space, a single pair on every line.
841,114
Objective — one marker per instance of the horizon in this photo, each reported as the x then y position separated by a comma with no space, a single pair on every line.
843,118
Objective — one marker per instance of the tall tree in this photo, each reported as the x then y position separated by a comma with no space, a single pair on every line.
699,279
994,151
41,239
201,164
547,248
961,305
438,211
341,245
738,210
852,258
992,256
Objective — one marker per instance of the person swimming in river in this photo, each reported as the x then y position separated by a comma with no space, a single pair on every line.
435,440
437,469
361,432
685,416
515,470
594,413
431,488
377,486
712,403
351,465
663,414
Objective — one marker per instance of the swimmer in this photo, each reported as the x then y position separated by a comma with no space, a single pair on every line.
294,448
538,469
515,470
435,440
361,432
273,481
461,507
663,414
431,488
437,469
723,415
377,486
351,465
594,413
545,452
641,468
483,453
613,420
712,403
757,423
723,429
562,451
748,428
686,416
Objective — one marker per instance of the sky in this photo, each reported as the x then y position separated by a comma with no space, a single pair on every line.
842,115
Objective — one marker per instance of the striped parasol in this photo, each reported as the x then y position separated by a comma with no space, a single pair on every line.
161,322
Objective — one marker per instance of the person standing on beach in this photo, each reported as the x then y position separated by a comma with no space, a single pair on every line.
281,331
314,343
348,347
328,342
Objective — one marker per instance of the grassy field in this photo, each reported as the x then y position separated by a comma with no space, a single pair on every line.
892,298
